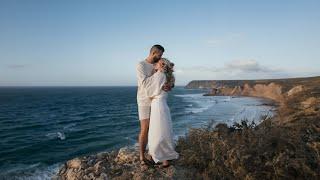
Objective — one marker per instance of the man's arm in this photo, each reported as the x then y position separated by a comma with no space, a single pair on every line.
143,79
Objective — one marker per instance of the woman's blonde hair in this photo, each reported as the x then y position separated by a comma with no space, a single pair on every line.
168,70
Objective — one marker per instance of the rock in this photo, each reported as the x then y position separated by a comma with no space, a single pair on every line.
103,176
74,163
126,154
88,170
315,146
89,176
62,169
236,91
71,175
295,90
98,167
309,102
272,91
102,155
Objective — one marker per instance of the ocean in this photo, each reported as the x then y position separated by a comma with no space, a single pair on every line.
42,127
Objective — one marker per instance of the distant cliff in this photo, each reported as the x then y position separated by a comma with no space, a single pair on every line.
199,84
208,84
275,89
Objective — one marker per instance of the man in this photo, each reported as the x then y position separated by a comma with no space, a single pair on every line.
145,77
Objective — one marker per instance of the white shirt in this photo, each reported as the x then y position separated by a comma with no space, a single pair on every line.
145,78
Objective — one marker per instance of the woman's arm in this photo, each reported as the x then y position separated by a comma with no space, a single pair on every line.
143,80
156,85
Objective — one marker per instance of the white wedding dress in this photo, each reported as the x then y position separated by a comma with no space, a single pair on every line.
160,137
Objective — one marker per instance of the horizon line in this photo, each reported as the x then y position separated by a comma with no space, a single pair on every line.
76,86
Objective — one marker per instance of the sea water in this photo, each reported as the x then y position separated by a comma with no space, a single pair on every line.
42,127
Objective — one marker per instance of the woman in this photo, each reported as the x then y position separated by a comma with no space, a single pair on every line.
160,137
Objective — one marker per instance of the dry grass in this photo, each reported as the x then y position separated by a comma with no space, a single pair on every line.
247,151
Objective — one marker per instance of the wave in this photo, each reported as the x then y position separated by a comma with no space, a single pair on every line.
37,171
196,103
56,135
62,133
189,95
252,114
69,127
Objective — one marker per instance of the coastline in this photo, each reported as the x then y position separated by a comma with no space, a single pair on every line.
123,162
285,146
190,109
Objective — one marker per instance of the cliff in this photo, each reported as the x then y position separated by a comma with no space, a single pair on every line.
285,83
118,164
293,94
286,146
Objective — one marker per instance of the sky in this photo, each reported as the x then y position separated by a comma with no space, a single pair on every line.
99,43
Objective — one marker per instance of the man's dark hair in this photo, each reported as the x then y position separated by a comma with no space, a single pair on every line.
157,47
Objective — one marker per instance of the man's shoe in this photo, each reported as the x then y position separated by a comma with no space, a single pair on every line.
150,160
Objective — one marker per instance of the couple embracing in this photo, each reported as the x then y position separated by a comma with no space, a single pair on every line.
155,80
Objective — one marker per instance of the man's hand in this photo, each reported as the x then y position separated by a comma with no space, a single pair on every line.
166,87
153,71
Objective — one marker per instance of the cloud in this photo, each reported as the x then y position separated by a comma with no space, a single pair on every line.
238,65
248,66
196,69
240,69
226,40
16,66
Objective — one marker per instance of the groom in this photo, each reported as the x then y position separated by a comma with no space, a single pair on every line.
145,77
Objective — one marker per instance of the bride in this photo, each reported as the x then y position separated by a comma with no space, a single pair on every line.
160,138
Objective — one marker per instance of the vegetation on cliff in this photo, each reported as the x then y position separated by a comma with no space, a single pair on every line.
267,151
